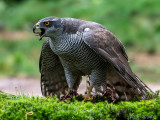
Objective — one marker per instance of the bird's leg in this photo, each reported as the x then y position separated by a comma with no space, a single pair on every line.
71,77
70,94
87,96
68,91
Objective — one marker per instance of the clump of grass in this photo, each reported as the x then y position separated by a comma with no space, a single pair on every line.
24,107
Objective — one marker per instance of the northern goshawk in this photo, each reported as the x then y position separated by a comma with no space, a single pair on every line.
75,48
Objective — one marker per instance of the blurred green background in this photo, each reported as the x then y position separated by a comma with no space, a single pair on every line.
135,23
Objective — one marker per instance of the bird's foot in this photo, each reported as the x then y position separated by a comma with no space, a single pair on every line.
109,95
68,91
87,97
69,96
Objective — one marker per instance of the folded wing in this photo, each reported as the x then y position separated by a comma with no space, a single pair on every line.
111,50
53,81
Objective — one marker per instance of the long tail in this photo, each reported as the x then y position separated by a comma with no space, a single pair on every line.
123,89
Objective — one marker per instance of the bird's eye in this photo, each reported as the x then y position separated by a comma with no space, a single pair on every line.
46,23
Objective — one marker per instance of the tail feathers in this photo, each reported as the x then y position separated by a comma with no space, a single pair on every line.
125,90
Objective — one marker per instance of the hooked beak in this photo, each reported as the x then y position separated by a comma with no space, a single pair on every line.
36,26
40,32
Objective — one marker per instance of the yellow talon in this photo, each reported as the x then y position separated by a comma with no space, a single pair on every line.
68,91
77,95
87,96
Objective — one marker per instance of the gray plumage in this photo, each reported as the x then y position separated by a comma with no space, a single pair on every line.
75,48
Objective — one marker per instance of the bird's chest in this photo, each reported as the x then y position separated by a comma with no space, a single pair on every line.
73,52
66,46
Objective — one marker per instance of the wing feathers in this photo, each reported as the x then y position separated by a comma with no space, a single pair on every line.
111,50
53,81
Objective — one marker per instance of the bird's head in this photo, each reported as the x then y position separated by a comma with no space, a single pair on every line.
46,27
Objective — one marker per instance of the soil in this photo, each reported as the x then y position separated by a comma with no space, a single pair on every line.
30,86
27,86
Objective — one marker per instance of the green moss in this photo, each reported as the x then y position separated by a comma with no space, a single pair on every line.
50,108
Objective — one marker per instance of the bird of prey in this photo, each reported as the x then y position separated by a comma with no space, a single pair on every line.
76,48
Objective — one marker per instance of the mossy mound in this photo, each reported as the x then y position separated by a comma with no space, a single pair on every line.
51,108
